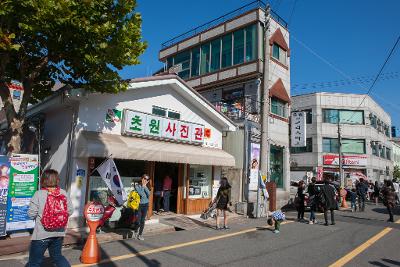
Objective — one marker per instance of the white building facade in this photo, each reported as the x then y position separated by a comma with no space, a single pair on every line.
365,131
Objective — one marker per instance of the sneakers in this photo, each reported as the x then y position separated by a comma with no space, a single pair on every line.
310,222
226,227
140,237
218,228
135,234
276,231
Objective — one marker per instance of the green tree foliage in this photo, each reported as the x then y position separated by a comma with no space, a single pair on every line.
78,42
396,172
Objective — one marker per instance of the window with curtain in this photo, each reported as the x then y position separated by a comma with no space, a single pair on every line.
226,51
195,62
215,54
353,146
307,148
238,47
251,42
278,107
205,59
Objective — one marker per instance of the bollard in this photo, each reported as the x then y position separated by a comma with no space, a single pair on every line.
93,212
343,194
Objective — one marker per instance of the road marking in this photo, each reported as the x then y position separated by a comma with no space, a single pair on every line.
166,248
352,254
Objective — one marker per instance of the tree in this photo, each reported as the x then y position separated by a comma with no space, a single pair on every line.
82,43
396,172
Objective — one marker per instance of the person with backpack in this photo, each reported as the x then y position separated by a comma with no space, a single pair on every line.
328,201
144,193
389,198
50,207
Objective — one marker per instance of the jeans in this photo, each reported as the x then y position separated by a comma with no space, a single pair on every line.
326,216
361,202
312,214
353,205
141,219
167,195
39,247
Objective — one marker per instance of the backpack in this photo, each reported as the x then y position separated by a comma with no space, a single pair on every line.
133,200
55,213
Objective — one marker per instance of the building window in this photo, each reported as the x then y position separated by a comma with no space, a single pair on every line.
226,51
353,146
308,116
373,120
174,115
344,116
199,181
159,111
330,145
183,59
278,53
215,54
388,153
205,59
238,47
278,107
251,42
276,160
387,131
195,62
374,148
304,149
382,152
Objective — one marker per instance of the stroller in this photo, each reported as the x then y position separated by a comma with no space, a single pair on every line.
210,212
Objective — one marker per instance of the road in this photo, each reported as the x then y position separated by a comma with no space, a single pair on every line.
357,239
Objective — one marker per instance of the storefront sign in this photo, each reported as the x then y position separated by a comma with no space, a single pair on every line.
254,166
23,184
4,180
146,125
298,129
356,160
94,211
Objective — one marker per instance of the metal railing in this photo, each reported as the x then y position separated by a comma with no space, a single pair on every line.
222,19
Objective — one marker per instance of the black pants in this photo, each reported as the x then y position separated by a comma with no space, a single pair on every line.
390,213
361,202
141,219
158,203
332,215
300,211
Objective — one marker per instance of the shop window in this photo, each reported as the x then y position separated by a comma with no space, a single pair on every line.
205,59
330,145
278,53
159,111
226,51
215,54
278,107
276,162
251,42
200,181
238,47
304,149
353,146
174,115
195,68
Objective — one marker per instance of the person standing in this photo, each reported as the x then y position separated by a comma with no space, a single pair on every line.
300,201
50,223
328,201
396,187
389,198
362,189
222,199
167,186
312,194
376,192
144,194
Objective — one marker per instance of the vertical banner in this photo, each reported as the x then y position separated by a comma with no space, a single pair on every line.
298,129
4,180
254,166
24,172
110,175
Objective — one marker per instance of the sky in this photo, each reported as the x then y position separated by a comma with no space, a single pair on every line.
330,41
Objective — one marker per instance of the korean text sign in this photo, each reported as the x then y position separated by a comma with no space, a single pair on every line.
298,129
139,123
4,180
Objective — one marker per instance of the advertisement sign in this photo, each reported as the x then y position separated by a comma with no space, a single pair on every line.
110,175
94,211
354,160
16,93
254,166
146,125
320,173
298,129
23,183
4,180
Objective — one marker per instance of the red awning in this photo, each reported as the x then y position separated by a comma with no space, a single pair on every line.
278,90
278,38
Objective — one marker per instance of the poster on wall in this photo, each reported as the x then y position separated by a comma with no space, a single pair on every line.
298,129
254,166
23,182
4,180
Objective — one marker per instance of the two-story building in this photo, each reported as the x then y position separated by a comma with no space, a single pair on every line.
223,61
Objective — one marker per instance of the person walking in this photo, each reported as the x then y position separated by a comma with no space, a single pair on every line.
376,192
362,189
313,196
222,200
300,201
328,201
144,194
353,199
167,186
50,207
389,198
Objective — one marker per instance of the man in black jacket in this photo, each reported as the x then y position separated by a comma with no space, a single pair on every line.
362,189
328,201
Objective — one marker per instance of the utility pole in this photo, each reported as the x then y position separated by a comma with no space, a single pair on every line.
264,148
340,155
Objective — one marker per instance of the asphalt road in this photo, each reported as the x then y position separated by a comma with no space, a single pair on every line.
250,243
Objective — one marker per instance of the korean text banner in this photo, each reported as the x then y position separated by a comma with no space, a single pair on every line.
298,129
254,166
4,180
24,172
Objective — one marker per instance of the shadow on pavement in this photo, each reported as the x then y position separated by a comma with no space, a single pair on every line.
391,262
396,211
395,263
143,258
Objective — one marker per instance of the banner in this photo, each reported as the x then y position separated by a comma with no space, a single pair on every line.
110,175
4,180
298,129
24,172
254,166
354,160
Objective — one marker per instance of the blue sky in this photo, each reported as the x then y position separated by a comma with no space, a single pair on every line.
330,41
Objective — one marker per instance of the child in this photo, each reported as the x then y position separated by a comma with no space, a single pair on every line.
353,198
276,218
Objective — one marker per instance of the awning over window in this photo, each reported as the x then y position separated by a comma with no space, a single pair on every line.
93,144
279,39
278,90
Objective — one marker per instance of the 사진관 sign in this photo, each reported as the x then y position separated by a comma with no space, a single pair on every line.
298,129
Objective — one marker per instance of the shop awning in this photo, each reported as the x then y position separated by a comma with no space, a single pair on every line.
93,144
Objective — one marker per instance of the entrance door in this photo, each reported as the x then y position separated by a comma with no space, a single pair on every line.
162,170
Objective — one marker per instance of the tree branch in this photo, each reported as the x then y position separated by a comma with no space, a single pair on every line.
36,71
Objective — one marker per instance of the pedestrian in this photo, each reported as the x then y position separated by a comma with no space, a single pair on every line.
167,186
376,192
300,201
312,191
50,207
275,220
396,187
389,198
353,199
144,194
222,200
361,193
328,201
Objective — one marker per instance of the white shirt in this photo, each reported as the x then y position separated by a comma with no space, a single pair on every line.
396,187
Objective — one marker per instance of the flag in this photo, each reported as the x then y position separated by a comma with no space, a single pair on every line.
110,175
